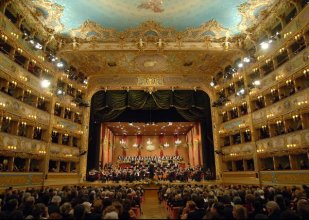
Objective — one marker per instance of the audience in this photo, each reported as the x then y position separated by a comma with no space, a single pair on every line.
73,203
236,202
193,202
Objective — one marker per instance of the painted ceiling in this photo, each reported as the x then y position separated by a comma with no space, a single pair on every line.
66,15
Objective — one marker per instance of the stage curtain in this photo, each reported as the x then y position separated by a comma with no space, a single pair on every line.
108,105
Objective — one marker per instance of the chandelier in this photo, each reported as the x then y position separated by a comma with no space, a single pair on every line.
149,142
177,142
122,142
135,145
150,146
166,145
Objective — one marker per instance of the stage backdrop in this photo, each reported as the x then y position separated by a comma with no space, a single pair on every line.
170,151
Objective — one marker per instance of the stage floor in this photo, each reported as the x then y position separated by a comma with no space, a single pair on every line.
148,184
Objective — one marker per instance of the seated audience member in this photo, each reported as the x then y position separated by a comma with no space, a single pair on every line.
239,212
110,213
273,210
79,212
55,205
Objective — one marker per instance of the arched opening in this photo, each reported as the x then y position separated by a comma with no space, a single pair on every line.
160,106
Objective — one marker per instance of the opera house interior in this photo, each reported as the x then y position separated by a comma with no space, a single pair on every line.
154,109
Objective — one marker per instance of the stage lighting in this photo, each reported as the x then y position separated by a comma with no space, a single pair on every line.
60,92
241,92
45,83
264,45
38,46
60,65
256,83
247,59
53,59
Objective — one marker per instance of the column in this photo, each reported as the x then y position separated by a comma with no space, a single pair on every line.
68,167
293,162
45,162
58,166
84,143
217,147
20,20
27,164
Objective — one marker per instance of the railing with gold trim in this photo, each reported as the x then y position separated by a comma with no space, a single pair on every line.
282,107
19,108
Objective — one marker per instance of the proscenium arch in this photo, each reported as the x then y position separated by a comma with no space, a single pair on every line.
207,143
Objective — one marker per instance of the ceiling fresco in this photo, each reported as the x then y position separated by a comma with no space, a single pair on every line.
65,16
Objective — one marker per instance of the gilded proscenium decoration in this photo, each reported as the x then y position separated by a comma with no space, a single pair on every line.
149,62
150,81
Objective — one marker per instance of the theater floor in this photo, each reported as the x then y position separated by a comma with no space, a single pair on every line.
151,207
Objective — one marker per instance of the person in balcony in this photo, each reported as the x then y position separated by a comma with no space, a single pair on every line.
303,165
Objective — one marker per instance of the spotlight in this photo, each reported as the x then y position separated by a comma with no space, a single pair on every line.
240,65
247,59
241,92
45,83
53,59
60,92
264,45
59,64
256,83
213,82
38,46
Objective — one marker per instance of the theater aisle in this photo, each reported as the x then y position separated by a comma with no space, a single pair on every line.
151,207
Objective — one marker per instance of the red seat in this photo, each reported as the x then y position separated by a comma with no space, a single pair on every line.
137,212
175,211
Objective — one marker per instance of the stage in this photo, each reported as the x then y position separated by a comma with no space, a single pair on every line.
148,184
